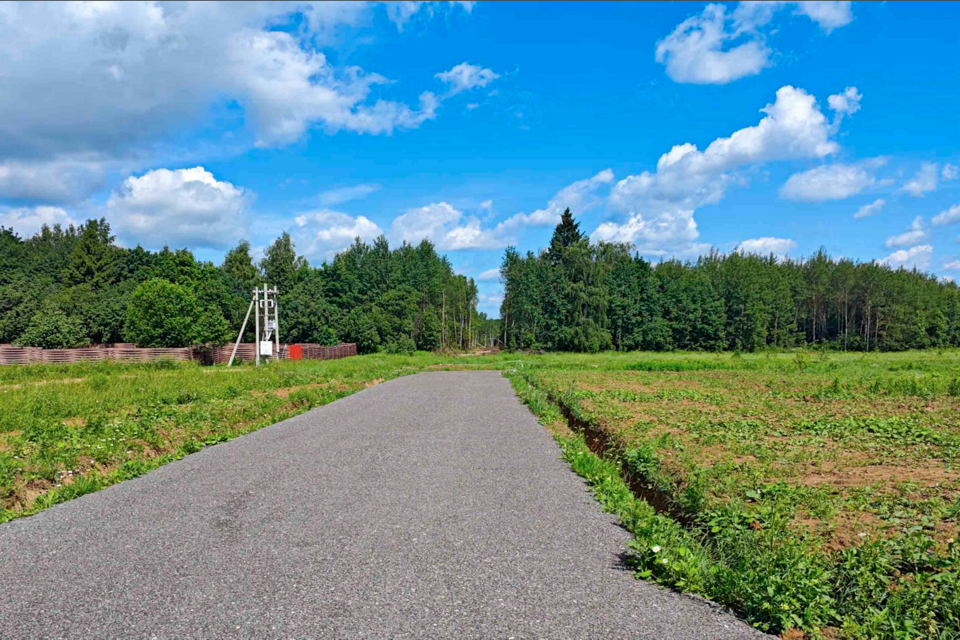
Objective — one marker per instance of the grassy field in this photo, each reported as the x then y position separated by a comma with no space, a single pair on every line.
813,494
817,495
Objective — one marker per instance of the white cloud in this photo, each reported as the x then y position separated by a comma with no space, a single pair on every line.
579,197
767,245
401,11
695,53
322,234
180,208
486,205
666,233
829,15
948,216
714,48
661,204
950,172
953,264
909,238
492,298
827,182
844,104
446,227
923,182
465,77
490,274
916,257
871,209
62,179
26,221
340,195
142,71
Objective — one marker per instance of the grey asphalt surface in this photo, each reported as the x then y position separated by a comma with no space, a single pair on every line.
431,506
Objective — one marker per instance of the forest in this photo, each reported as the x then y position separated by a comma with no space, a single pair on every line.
73,287
588,297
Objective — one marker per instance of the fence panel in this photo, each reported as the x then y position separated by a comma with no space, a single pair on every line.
126,352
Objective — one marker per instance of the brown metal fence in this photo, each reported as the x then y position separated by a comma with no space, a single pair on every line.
129,353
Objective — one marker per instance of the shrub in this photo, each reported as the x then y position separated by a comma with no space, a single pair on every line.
51,328
163,314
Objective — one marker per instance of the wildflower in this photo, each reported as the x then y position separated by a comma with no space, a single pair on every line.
663,560
862,534
655,549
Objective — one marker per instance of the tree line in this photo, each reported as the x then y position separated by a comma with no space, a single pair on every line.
582,296
74,286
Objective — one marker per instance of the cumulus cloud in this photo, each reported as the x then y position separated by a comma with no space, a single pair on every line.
827,182
916,257
915,235
923,182
714,48
579,197
767,245
829,15
953,264
465,77
844,104
871,209
144,70
340,195
320,235
490,274
185,207
950,172
446,227
695,53
660,204
26,221
665,233
947,216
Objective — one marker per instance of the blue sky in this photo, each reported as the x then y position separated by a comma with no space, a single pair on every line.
677,127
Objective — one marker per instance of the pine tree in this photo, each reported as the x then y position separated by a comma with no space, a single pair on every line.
565,235
281,265
93,259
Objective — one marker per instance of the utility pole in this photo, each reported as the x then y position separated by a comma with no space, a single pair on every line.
253,301
276,320
266,343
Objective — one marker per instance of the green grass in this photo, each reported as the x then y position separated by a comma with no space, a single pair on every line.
807,492
68,431
814,494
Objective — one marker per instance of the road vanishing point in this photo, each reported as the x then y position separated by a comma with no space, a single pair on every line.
430,506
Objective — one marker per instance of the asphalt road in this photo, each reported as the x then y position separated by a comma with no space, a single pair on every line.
432,506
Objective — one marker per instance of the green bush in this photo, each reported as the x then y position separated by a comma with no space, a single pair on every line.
51,328
163,314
